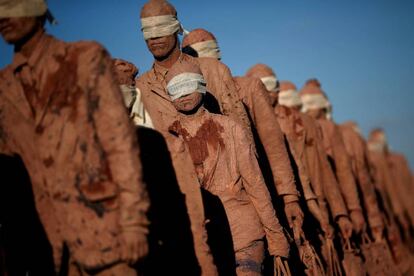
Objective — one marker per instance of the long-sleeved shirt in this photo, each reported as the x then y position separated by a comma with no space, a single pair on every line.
226,166
62,112
254,96
358,154
335,149
223,98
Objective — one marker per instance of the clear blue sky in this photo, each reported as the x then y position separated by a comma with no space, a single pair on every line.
361,51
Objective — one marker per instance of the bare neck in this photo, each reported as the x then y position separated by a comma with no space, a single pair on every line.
169,61
28,44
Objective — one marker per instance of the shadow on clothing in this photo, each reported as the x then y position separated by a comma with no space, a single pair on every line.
219,234
26,248
171,248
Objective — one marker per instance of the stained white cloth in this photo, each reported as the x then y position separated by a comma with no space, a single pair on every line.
270,82
129,94
22,8
289,98
160,26
185,84
314,101
207,48
139,114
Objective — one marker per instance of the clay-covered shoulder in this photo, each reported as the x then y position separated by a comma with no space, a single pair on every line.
142,79
228,123
212,64
87,53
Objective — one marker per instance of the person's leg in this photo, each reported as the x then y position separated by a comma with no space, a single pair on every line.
249,260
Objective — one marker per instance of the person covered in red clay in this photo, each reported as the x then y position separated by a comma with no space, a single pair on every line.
305,135
252,93
358,153
316,105
63,114
226,167
126,73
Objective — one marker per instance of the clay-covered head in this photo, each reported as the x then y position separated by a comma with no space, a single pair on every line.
353,125
286,85
315,102
160,27
288,95
196,36
201,43
125,71
378,135
266,75
21,19
186,86
157,8
377,140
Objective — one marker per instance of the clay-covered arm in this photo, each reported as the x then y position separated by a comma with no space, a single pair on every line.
366,185
223,86
330,186
344,171
271,136
259,195
117,137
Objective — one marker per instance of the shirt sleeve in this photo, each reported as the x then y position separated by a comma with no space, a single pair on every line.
366,184
259,195
330,185
272,139
116,135
344,171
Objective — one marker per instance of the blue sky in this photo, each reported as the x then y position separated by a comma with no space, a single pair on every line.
361,51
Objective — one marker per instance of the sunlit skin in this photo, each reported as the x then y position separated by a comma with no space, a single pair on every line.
165,50
22,32
188,104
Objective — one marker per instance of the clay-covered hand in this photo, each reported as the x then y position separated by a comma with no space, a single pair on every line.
294,214
345,225
377,233
358,221
136,246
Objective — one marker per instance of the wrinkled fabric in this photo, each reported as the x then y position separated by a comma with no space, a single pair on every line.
322,177
208,48
158,105
226,166
254,96
293,129
335,148
160,26
185,84
401,175
27,8
249,260
358,153
384,183
139,114
66,132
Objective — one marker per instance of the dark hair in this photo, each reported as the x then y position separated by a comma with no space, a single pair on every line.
189,51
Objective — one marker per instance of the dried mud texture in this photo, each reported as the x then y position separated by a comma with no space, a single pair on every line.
73,134
231,172
254,96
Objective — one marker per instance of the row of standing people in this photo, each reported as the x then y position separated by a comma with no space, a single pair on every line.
242,140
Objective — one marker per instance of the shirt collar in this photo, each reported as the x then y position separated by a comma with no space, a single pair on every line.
160,71
41,47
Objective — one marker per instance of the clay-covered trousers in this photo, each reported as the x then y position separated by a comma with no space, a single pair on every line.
115,270
249,260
